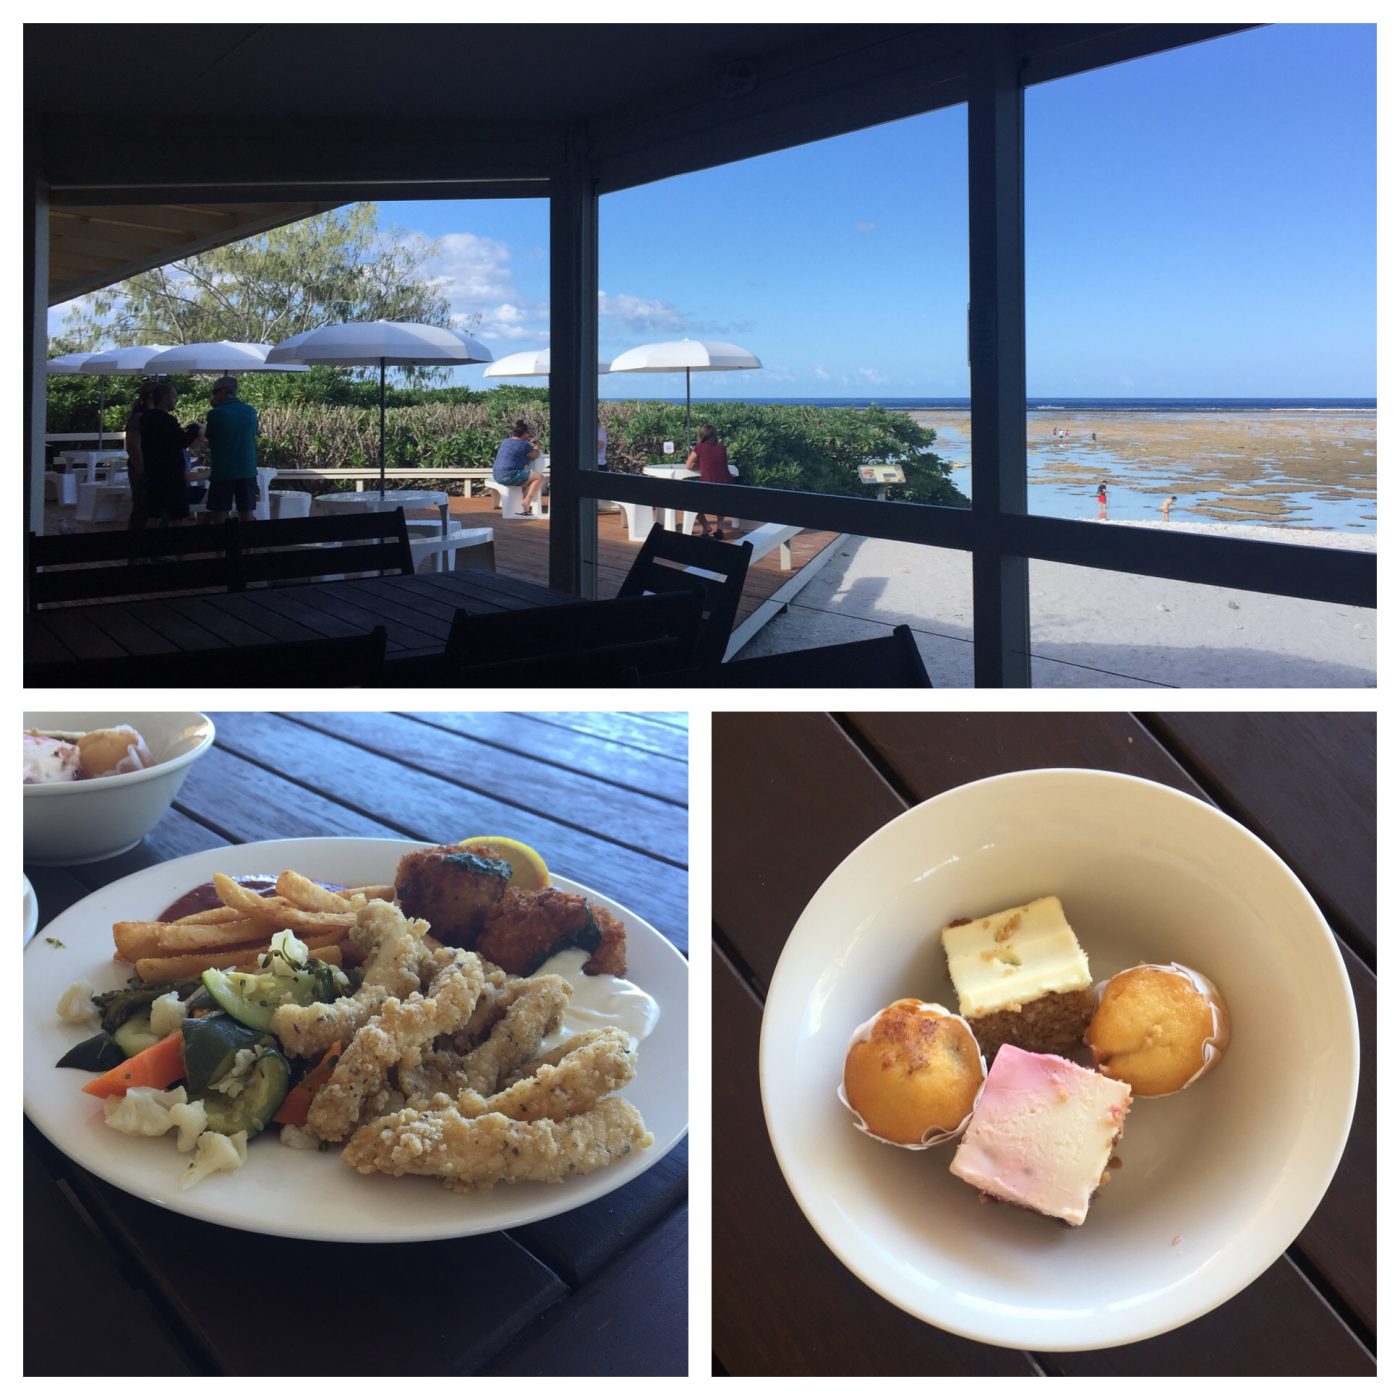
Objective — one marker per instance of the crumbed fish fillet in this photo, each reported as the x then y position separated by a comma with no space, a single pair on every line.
398,1035
572,1080
472,1153
397,959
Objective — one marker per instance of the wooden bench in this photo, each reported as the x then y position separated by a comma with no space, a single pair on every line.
178,559
361,475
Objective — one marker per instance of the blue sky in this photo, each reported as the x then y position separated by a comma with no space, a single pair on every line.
1198,223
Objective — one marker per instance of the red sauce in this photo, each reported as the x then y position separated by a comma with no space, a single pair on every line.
205,896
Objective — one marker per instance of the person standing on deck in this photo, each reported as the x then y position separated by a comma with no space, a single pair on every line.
231,431
710,458
135,463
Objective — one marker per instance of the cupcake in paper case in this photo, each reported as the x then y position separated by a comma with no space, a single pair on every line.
913,1075
1158,1027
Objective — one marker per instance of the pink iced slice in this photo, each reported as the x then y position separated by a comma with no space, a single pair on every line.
1042,1133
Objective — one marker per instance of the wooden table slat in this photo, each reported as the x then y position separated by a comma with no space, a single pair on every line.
98,1288
314,784
482,1289
1293,779
595,1334
577,1244
626,764
768,862
636,731
546,779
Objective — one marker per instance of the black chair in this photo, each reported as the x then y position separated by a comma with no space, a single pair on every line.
583,643
891,662
294,550
327,661
109,564
652,572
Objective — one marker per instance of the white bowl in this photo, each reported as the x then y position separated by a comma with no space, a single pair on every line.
73,823
1216,1180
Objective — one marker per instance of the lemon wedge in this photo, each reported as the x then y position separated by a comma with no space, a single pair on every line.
527,868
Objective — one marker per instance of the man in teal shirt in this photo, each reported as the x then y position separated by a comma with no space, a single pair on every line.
231,430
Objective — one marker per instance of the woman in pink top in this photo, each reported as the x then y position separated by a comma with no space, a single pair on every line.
711,460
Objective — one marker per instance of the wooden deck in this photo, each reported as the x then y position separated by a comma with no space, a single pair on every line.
522,547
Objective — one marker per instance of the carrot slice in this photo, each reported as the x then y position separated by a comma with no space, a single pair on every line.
298,1101
157,1067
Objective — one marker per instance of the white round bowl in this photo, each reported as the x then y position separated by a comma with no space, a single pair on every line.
73,823
1216,1180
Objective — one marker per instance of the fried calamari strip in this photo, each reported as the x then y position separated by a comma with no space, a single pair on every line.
570,1080
472,1153
398,1035
396,959
535,1011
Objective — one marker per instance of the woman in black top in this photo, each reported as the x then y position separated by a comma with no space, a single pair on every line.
163,443
135,467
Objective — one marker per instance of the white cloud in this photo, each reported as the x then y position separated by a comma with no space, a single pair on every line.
865,226
872,376
512,321
633,313
821,372
471,270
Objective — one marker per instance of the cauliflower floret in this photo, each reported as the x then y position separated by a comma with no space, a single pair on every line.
293,1136
215,1152
143,1112
286,954
236,1080
166,1014
75,1005
191,1120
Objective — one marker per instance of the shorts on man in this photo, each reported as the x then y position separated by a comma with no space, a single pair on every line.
240,494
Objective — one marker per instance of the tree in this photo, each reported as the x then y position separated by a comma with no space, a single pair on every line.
337,266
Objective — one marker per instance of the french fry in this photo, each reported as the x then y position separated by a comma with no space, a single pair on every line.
134,939
235,896
222,915
307,894
192,938
244,956
371,891
184,965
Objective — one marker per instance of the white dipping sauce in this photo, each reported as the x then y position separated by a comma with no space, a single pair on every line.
599,1001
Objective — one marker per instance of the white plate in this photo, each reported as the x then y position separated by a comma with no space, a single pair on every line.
314,1195
31,910
1216,1181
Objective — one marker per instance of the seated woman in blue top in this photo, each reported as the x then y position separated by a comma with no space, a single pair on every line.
512,466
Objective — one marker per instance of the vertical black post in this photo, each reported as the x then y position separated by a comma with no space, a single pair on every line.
36,321
997,351
381,432
573,370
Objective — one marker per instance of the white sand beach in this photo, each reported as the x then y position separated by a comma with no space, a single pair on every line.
1091,628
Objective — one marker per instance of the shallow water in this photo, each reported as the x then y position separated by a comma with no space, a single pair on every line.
1316,472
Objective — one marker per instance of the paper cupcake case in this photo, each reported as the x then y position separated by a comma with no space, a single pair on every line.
934,1136
1214,1045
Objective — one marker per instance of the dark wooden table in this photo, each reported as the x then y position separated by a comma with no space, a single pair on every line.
415,610
600,1290
794,794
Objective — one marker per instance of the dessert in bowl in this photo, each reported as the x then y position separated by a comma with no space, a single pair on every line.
1215,1181
78,818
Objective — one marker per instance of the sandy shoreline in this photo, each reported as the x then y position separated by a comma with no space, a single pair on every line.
1280,467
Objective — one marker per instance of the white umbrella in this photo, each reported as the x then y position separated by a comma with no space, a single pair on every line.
131,360
529,364
672,356
217,357
380,343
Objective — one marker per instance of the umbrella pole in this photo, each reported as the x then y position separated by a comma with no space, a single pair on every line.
101,405
381,429
687,402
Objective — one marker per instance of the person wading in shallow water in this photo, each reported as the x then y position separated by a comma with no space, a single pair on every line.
1103,500
1167,509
